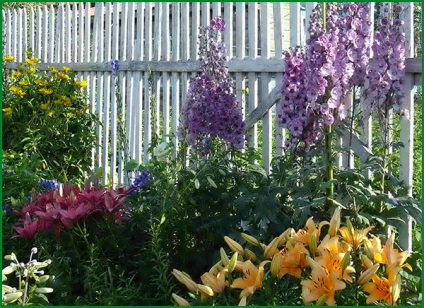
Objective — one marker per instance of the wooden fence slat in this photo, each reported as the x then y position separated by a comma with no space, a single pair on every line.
74,30
175,56
166,81
195,24
19,36
240,53
148,54
252,77
158,38
228,31
309,6
8,32
205,11
51,40
295,24
68,48
14,34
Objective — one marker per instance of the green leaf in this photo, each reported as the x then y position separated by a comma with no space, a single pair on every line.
131,165
196,183
211,182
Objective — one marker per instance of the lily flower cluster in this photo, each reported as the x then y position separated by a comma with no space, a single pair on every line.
323,262
316,79
384,88
56,210
211,109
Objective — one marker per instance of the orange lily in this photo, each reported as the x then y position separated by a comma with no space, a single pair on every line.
216,282
382,288
292,260
304,235
356,239
394,259
252,278
321,283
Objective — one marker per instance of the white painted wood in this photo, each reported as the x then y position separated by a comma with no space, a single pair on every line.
19,36
87,45
81,31
175,56
228,32
9,31
280,133
216,9
240,53
14,50
68,42
195,24
74,30
252,77
185,45
267,136
206,15
59,34
157,56
407,124
51,40
295,24
347,160
25,30
148,54
166,81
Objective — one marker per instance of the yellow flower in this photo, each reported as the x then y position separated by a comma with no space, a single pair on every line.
216,283
82,83
292,260
7,112
70,115
58,102
11,78
252,278
16,73
67,103
73,97
46,91
41,82
44,106
32,61
321,283
9,58
356,239
29,53
66,69
382,288
304,235
62,76
53,70
31,70
17,91
23,83
50,113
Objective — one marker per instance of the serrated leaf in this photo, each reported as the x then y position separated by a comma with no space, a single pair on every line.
211,182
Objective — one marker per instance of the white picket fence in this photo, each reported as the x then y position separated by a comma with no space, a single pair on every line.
161,37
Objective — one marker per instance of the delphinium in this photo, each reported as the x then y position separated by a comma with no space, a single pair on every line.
211,109
384,85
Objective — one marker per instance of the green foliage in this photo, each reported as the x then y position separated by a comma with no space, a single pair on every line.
44,113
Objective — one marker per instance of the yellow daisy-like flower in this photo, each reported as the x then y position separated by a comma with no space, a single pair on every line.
23,83
53,70
32,61
58,102
70,115
31,70
44,106
73,97
11,78
9,58
46,91
82,83
16,73
66,69
50,114
67,104
7,111
17,91
40,82
62,76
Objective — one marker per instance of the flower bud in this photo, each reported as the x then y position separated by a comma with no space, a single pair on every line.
350,227
43,279
271,249
242,301
43,290
276,264
9,269
179,300
250,255
366,262
11,257
11,297
224,257
234,246
233,262
334,223
345,261
251,240
321,300
313,245
366,276
205,289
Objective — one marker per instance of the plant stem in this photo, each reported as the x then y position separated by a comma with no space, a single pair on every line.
351,127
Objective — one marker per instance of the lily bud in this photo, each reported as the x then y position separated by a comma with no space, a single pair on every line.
366,276
251,240
43,278
350,227
366,262
9,269
313,245
11,257
233,262
224,257
271,249
276,264
250,255
43,290
345,261
11,297
321,300
234,246
179,300
242,301
205,289
334,223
